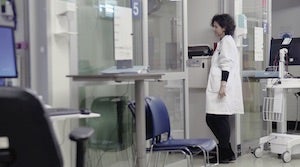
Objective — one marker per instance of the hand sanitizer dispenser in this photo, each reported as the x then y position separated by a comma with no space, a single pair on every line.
242,28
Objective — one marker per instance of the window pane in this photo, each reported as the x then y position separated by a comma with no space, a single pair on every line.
172,93
165,35
252,125
95,35
112,143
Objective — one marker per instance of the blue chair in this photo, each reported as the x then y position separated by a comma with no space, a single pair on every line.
161,126
149,131
158,123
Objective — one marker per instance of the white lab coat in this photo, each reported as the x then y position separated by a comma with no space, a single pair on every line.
226,58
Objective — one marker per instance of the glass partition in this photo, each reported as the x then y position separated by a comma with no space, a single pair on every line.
96,52
172,93
112,143
165,35
166,54
96,35
252,125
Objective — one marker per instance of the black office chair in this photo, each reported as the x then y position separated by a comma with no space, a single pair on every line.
31,140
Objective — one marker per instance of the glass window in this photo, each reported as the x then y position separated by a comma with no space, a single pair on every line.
256,12
172,93
112,143
95,34
165,35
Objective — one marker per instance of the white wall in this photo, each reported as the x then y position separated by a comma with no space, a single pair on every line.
285,17
200,32
200,13
38,48
49,53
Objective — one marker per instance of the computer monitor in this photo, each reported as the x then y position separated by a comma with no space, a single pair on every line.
8,66
293,57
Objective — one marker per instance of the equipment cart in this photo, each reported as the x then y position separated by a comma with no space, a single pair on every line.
274,110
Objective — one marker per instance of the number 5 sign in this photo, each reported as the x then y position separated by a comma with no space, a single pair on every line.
136,8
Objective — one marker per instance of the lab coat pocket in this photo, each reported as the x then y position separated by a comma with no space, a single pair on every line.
214,81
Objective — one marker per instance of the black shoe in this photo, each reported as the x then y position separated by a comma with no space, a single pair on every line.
232,158
221,161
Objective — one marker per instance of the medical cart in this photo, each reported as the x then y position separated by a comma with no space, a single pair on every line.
274,110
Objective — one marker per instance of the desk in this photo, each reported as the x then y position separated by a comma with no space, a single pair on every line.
73,116
139,100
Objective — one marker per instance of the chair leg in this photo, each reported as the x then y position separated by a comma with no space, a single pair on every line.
165,160
205,156
150,157
191,161
189,157
80,154
157,157
217,156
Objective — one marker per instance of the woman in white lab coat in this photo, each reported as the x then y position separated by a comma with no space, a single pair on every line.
224,90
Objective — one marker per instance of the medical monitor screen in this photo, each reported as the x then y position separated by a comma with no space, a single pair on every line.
293,57
8,67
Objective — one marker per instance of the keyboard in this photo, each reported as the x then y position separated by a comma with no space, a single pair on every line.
61,111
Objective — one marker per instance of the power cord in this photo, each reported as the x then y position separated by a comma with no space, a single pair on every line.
277,82
127,89
289,75
296,124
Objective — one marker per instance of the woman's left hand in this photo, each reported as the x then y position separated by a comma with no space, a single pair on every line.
222,91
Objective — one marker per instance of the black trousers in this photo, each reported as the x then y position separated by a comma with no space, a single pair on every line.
219,125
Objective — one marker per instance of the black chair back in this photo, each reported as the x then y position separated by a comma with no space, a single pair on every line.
23,121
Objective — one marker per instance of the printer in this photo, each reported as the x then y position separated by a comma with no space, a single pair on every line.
198,65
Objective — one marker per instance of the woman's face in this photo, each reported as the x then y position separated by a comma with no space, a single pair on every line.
219,31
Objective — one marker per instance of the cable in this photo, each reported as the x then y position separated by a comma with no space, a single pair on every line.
287,62
296,124
127,89
276,82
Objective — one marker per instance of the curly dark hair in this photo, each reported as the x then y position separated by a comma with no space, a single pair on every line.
225,21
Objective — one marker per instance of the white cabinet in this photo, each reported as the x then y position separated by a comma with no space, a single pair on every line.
198,70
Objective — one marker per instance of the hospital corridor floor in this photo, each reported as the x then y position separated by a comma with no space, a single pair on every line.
267,160
248,160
